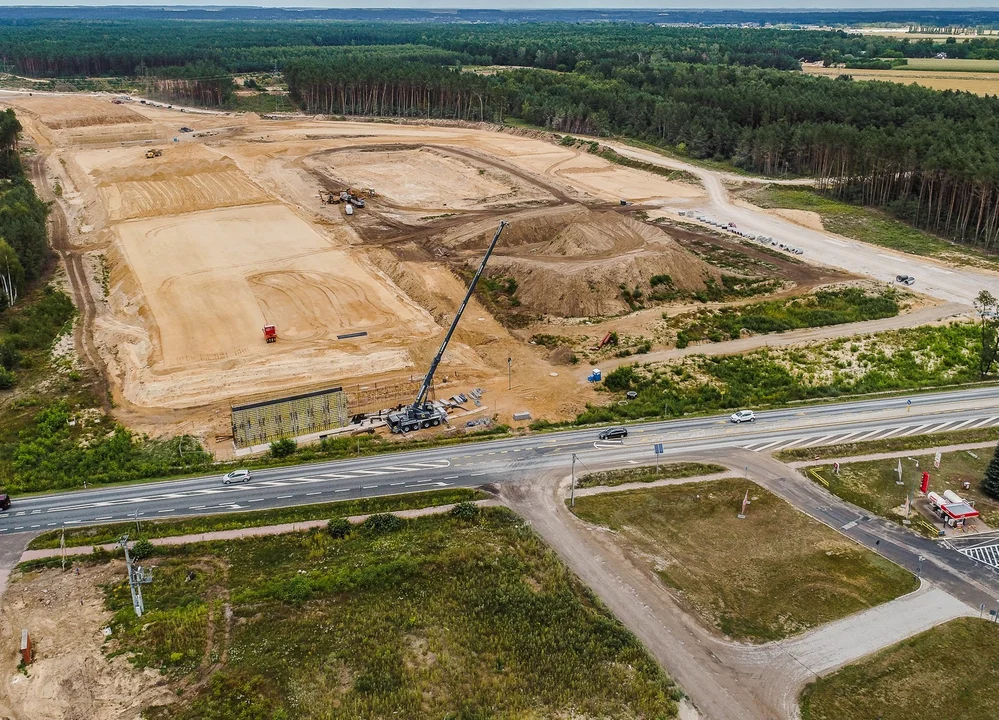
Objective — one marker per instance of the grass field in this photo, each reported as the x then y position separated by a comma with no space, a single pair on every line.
871,485
434,618
772,575
109,533
913,442
946,672
866,224
667,471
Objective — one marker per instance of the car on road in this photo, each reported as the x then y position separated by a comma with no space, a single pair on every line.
743,416
4,501
236,476
614,433
905,279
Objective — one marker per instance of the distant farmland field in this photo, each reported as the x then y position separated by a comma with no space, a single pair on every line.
952,65
979,83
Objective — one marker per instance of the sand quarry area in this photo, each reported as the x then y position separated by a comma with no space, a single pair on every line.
223,231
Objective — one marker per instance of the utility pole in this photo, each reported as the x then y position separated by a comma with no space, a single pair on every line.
138,530
572,486
137,577
509,373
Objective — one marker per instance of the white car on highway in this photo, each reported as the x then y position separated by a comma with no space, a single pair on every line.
236,476
743,416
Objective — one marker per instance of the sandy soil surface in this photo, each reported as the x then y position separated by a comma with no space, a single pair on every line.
806,218
224,232
70,678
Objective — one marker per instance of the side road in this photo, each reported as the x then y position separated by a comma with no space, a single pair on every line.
726,679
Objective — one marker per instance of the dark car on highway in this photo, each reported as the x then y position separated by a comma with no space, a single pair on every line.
4,501
613,433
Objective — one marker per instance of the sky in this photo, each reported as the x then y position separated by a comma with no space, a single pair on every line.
540,4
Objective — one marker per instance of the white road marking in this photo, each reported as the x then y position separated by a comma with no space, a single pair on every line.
980,423
315,493
163,511
915,430
769,444
849,525
256,500
342,490
104,517
476,474
961,425
371,472
368,487
283,497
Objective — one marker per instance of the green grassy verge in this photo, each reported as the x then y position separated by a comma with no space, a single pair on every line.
909,359
945,672
867,225
435,617
109,533
872,484
774,574
820,309
898,444
669,471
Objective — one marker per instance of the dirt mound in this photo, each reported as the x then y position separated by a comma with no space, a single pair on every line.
573,263
599,234
58,114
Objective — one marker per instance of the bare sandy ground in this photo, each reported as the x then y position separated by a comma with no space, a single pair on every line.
224,232
71,678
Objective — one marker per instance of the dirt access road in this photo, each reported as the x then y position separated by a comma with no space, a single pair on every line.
726,680
937,279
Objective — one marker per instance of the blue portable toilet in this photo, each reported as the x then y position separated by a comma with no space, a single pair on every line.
595,375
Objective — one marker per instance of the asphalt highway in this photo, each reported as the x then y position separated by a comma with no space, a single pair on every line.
507,459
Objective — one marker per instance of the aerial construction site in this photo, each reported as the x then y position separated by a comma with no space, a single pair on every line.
244,260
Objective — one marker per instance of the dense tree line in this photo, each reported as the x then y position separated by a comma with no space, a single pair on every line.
201,83
24,250
62,48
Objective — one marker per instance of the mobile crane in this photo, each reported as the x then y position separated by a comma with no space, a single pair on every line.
423,413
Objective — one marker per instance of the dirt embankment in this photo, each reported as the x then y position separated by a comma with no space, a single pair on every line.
574,262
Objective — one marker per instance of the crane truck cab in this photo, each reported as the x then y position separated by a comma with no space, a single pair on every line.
416,417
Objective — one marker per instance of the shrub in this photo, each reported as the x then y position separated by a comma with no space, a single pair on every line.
990,485
465,511
339,528
381,523
142,549
7,379
283,448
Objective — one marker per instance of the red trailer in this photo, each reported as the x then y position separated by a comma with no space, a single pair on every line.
270,333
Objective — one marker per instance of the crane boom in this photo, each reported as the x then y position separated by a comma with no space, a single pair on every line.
421,397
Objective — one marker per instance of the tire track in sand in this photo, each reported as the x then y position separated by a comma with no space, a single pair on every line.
83,335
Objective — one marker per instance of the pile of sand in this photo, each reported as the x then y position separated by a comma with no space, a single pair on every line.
58,113
573,263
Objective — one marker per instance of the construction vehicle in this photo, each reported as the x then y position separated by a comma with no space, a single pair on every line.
270,333
153,153
328,198
423,413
